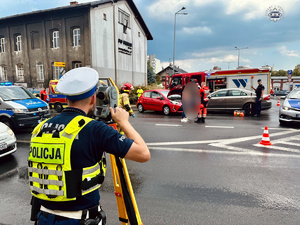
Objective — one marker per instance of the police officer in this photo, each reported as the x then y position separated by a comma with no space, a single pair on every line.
259,96
124,98
66,163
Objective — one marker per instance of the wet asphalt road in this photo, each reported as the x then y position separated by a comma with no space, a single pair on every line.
212,173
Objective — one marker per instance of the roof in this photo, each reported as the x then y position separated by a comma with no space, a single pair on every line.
176,69
87,5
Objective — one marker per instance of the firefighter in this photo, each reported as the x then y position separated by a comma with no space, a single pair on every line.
204,92
66,163
124,98
43,95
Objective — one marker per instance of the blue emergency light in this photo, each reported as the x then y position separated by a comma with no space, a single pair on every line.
6,84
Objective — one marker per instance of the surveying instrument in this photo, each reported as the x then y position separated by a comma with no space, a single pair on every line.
108,96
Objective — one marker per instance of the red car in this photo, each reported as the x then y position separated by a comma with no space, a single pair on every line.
157,100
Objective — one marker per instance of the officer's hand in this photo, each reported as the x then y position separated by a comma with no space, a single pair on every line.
119,115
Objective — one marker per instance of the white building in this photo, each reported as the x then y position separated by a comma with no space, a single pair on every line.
109,36
154,63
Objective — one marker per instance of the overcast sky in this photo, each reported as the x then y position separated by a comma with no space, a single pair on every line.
207,36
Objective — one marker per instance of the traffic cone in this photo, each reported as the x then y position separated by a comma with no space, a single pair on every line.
278,103
265,139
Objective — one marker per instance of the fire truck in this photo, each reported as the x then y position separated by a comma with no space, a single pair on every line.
56,100
218,79
177,81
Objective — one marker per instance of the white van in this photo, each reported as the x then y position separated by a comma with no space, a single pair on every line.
19,108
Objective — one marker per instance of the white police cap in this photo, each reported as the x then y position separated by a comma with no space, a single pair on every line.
79,83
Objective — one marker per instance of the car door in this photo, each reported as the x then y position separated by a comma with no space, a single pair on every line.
147,100
157,101
217,100
235,99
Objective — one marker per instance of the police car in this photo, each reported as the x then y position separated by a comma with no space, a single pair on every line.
19,108
290,109
7,140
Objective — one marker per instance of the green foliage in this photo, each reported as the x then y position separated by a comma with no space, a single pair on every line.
296,72
280,73
151,76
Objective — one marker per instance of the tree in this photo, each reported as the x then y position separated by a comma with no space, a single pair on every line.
296,72
280,73
151,77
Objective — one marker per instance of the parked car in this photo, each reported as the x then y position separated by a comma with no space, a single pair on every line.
157,100
280,93
231,99
290,109
7,140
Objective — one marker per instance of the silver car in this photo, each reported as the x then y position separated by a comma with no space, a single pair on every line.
290,109
8,140
231,99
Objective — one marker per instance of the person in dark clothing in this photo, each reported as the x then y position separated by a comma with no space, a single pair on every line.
259,96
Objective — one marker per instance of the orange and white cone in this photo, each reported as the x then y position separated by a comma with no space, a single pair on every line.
278,103
266,138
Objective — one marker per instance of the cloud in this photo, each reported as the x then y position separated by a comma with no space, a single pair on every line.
197,30
284,51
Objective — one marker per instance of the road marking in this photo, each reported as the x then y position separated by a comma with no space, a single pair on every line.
277,148
23,141
169,125
182,142
219,127
251,153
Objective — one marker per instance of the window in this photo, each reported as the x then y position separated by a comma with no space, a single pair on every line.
35,40
55,71
124,20
20,72
2,44
3,72
40,71
104,16
139,34
234,93
18,42
147,94
219,94
156,94
76,64
76,37
54,36
176,81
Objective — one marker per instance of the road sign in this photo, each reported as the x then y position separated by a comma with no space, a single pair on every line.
290,71
60,64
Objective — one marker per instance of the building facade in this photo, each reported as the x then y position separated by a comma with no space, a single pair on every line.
110,37
154,63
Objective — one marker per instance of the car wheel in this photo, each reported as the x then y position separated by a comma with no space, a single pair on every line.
140,108
166,110
58,107
247,107
7,122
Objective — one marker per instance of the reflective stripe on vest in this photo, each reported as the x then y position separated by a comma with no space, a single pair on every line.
51,177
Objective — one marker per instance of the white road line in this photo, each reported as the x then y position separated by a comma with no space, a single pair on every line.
277,148
169,125
182,142
287,143
250,153
219,127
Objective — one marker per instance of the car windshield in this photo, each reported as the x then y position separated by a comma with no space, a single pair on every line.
295,94
165,93
15,93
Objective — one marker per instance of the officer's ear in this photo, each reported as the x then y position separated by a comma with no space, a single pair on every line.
93,99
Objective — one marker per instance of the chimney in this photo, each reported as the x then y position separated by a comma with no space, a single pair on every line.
74,3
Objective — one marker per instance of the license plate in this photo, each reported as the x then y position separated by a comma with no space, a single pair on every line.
3,146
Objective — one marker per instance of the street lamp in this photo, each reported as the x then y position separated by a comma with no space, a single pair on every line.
236,48
175,35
